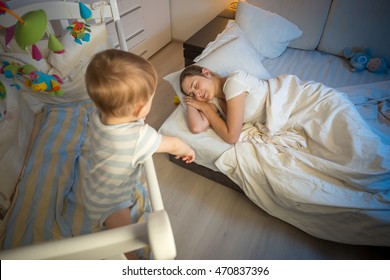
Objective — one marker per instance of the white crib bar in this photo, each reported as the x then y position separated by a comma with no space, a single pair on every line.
118,25
154,190
98,245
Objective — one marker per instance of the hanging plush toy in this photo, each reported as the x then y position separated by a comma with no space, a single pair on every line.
28,30
79,31
40,81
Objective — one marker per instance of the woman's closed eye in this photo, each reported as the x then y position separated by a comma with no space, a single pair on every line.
194,89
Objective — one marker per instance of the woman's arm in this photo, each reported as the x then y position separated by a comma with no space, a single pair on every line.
230,130
196,120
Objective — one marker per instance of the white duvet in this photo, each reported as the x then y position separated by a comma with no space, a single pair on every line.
315,164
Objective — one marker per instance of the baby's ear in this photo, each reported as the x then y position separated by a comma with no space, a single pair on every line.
137,109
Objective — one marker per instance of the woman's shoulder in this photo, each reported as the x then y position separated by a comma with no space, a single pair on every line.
240,77
236,83
238,74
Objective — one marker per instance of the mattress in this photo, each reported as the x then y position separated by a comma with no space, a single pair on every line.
363,88
321,67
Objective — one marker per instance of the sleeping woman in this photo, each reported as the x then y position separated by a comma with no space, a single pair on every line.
308,121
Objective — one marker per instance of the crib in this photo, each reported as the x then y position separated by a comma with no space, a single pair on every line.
34,120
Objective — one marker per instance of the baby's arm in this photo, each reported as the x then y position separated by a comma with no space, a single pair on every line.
177,147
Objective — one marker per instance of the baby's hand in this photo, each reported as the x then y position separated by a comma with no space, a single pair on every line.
188,157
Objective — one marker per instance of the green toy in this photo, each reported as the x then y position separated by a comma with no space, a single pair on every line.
362,59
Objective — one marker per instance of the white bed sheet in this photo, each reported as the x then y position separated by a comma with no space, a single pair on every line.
325,68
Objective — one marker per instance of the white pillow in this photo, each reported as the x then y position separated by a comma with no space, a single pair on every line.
269,33
77,55
229,52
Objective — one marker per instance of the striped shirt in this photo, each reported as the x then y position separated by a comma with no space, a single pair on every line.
115,164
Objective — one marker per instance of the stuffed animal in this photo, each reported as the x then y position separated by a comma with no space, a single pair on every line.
44,82
362,59
10,70
79,31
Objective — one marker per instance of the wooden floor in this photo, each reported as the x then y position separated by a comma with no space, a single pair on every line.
211,221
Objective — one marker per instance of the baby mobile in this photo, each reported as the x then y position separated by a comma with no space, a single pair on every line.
30,29
79,29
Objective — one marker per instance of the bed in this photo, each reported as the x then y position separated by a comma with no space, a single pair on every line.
263,40
44,143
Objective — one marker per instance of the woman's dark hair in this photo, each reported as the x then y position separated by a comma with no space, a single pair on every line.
192,70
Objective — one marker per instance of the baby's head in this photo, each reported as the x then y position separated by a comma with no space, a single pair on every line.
119,82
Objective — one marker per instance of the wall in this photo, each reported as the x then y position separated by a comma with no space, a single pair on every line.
188,16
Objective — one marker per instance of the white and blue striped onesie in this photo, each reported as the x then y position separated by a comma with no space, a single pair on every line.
116,156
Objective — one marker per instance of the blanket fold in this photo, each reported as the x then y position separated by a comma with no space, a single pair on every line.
315,163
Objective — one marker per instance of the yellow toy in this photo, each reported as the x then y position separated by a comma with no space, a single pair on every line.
176,100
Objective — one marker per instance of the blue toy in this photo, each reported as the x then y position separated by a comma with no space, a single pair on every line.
361,59
44,82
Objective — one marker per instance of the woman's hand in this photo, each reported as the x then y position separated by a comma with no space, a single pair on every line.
199,105
189,101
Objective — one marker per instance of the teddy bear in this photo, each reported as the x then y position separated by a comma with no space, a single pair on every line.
362,59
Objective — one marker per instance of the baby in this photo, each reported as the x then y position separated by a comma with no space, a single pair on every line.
122,86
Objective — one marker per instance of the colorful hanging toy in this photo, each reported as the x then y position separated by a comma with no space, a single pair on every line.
80,30
29,29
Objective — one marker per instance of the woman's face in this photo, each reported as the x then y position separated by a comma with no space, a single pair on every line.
199,87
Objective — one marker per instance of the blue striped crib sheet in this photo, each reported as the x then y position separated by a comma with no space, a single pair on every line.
48,204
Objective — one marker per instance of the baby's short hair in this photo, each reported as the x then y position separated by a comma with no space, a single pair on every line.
117,80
